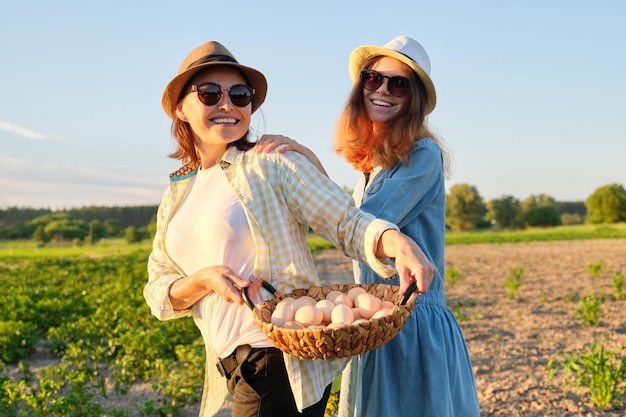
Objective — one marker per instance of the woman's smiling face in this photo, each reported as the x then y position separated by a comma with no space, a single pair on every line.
221,123
381,106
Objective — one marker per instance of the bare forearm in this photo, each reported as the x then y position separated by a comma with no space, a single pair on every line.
388,243
411,262
186,291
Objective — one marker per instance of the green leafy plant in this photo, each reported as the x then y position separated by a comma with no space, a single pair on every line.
453,275
332,406
513,282
457,308
594,269
588,309
618,284
459,314
600,371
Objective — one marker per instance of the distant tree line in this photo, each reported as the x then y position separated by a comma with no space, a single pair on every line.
80,225
466,209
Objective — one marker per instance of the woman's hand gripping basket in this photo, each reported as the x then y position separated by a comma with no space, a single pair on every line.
338,342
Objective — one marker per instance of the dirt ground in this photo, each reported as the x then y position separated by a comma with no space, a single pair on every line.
511,340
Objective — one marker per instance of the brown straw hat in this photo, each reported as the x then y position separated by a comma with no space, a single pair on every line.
404,49
206,55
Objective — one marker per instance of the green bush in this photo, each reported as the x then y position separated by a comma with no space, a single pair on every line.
588,310
513,282
600,371
618,284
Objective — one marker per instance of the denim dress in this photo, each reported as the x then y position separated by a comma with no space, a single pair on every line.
425,370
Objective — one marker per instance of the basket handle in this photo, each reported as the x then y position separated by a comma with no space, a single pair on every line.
246,297
269,287
409,292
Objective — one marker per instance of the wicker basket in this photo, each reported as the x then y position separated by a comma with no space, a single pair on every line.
332,343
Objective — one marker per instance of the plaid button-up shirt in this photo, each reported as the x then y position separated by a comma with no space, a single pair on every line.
282,195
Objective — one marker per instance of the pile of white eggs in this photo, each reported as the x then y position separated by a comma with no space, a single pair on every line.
337,309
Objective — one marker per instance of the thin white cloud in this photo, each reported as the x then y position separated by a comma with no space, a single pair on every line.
9,163
24,132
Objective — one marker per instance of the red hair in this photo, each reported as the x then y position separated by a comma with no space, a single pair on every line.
356,141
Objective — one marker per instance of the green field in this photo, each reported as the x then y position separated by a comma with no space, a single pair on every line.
89,312
577,232
28,249
84,304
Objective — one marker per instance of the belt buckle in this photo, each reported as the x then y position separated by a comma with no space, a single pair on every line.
220,367
238,356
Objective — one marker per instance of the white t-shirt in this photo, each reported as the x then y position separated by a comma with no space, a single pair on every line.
358,194
209,229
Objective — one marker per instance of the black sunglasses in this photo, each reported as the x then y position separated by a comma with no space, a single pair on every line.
211,93
372,80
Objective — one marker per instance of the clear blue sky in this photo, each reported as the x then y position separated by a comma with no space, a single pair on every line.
531,94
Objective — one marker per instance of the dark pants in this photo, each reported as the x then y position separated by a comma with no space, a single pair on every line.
260,388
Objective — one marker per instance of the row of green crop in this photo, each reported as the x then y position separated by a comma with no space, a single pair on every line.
572,232
575,232
29,249
91,315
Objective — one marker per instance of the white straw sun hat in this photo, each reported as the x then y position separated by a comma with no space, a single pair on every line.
404,49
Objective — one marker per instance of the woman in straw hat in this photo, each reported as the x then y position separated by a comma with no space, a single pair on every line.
425,370
231,218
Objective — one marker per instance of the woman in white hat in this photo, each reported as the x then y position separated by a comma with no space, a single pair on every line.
231,218
425,370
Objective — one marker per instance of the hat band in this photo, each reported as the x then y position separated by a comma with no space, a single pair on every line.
212,58
412,60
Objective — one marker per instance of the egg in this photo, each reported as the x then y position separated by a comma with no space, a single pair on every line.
342,313
282,314
353,292
368,304
293,325
337,324
304,300
327,307
308,315
333,294
287,300
381,313
387,304
357,313
360,321
343,299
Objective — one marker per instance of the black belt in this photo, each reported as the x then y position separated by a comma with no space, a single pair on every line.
227,365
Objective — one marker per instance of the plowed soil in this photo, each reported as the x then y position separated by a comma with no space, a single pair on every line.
511,340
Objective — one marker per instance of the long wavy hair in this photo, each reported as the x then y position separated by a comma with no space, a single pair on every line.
184,136
356,141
